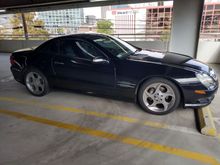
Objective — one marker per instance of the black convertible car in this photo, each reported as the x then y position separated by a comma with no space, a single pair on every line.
158,81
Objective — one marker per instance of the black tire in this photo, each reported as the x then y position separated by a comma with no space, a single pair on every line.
44,81
147,84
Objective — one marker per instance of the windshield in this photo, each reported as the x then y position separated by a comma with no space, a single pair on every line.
115,46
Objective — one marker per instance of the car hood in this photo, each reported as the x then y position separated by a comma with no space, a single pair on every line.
169,58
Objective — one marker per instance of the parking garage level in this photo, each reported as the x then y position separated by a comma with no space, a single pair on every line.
68,127
71,127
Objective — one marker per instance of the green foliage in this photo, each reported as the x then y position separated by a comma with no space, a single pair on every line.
165,36
35,27
104,26
60,30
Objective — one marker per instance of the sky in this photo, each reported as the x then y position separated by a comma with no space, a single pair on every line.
96,11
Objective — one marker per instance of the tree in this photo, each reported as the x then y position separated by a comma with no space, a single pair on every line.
60,30
104,26
1,31
35,27
165,36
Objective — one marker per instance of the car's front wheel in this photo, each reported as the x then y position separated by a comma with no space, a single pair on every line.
36,82
159,96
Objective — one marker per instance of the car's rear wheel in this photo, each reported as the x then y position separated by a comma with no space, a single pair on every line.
36,82
159,96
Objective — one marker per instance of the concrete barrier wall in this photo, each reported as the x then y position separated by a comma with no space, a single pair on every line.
208,52
12,45
156,45
8,46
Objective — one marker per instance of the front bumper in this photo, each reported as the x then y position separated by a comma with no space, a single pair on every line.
200,102
193,100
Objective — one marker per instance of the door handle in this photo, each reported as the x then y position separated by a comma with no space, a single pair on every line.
58,63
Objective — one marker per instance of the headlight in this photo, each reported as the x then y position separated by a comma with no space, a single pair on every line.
206,80
213,74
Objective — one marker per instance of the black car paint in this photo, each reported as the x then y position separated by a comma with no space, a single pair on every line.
120,76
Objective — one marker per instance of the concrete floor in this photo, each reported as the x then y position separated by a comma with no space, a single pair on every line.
29,139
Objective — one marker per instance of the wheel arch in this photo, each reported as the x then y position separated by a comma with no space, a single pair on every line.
138,86
28,67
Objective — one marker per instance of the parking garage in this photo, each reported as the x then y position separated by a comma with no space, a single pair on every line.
72,127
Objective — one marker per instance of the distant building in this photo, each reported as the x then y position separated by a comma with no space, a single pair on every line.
159,19
127,20
5,19
87,28
89,25
115,7
104,10
5,24
69,20
149,21
91,19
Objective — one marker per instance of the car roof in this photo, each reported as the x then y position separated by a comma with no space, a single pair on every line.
84,35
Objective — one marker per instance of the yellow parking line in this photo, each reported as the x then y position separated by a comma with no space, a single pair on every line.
86,112
92,113
110,136
101,115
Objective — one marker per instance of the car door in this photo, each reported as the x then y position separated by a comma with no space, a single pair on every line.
75,68
42,59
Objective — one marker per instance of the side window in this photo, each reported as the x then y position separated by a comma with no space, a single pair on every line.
50,47
87,50
80,49
69,48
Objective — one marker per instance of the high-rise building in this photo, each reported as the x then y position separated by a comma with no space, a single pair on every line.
5,24
159,20
104,10
5,19
89,25
127,20
90,19
68,20
149,21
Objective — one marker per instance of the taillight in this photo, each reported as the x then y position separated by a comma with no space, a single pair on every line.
12,60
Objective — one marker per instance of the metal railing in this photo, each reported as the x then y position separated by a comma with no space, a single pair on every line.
126,33
124,36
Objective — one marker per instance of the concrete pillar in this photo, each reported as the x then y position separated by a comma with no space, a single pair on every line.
185,30
24,26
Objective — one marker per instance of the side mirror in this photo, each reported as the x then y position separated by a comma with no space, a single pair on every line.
100,60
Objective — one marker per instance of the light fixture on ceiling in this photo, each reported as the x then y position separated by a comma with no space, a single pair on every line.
97,0
2,11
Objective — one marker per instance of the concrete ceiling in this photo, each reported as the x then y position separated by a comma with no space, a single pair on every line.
12,6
